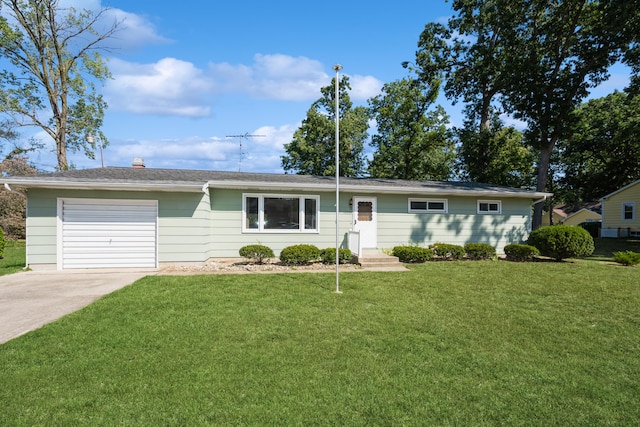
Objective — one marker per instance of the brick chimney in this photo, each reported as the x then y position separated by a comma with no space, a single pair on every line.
138,163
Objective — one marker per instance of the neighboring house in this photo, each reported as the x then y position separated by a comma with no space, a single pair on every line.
620,212
137,217
570,214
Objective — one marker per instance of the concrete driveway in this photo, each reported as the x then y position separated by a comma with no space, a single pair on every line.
31,299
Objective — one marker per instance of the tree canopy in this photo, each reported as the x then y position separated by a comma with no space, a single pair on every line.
53,67
412,140
312,150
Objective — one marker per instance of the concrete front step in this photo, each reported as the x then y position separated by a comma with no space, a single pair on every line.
379,261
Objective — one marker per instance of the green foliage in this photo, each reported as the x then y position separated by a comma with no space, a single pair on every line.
312,150
448,251
328,255
499,155
562,241
480,251
299,254
412,254
602,153
2,243
55,69
411,142
519,252
257,253
627,258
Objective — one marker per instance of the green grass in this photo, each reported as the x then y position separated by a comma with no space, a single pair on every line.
14,257
606,247
448,343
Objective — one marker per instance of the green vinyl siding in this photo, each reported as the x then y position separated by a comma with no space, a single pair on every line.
460,225
183,219
226,224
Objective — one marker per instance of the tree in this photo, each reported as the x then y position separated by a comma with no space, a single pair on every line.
498,155
312,150
54,65
13,206
537,58
558,50
601,154
412,142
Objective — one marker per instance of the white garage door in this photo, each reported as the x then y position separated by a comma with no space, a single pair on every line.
107,233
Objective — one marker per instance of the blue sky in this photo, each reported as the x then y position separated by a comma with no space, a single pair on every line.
187,74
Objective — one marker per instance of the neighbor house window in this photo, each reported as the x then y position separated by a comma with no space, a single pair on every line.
280,213
629,211
428,205
489,206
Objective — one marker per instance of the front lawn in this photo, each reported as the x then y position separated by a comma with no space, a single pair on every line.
14,257
448,343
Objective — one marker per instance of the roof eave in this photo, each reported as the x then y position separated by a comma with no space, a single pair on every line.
113,186
373,189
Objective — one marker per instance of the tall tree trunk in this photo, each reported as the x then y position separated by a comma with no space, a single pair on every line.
543,171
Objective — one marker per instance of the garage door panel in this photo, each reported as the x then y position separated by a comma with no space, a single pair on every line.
108,233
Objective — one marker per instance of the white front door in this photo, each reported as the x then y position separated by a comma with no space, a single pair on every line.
365,220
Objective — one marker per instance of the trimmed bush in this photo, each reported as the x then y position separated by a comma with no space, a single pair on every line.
299,254
447,251
517,252
2,243
628,258
562,241
328,256
479,251
412,254
257,253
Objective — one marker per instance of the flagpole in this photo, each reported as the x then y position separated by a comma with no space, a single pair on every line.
337,69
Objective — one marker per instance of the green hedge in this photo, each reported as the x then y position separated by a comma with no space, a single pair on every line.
518,252
299,254
562,241
328,256
480,251
412,254
448,251
257,253
628,258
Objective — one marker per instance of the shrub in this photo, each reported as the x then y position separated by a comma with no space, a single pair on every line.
562,241
627,258
412,254
299,254
517,252
257,253
447,251
480,251
2,243
328,255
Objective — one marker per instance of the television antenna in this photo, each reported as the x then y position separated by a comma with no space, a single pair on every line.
240,153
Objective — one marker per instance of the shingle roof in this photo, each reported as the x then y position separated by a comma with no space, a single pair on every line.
193,180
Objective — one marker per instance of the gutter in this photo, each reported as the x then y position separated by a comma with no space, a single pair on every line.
374,189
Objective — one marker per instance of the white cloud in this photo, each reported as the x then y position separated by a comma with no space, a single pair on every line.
286,78
167,87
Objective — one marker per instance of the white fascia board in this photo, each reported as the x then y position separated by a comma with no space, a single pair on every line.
114,186
374,189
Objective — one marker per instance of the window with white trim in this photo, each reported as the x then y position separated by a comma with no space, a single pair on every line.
629,211
277,213
489,206
428,205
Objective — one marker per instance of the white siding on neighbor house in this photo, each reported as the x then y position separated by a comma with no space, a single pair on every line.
107,233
